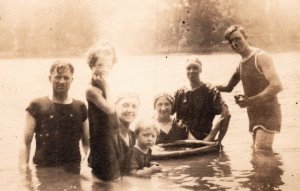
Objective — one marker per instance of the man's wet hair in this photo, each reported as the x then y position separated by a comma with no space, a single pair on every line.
232,29
100,50
61,65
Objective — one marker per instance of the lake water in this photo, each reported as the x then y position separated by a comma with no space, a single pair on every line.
237,168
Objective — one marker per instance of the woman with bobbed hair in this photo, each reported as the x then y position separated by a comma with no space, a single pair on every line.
169,131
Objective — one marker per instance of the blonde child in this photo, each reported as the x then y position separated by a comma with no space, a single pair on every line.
138,158
103,156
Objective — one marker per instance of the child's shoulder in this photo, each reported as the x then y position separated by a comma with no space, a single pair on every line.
91,91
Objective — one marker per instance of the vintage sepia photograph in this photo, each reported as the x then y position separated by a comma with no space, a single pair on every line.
131,95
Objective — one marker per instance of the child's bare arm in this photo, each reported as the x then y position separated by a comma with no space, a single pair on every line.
146,170
95,95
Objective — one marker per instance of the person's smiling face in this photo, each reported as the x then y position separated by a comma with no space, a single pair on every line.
163,107
193,70
237,42
127,109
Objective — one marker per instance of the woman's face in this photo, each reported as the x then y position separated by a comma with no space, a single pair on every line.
163,107
127,109
193,70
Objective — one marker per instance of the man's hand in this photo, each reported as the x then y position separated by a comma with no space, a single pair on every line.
242,100
181,124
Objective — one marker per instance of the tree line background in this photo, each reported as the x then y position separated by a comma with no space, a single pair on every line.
69,28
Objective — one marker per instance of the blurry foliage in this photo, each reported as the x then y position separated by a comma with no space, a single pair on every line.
62,28
199,25
57,28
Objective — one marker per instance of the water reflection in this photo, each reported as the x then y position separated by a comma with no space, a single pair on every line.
199,173
217,168
50,178
267,171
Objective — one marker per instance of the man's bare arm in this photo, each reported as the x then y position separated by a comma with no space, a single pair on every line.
24,154
234,80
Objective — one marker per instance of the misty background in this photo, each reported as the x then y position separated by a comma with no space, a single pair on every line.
42,28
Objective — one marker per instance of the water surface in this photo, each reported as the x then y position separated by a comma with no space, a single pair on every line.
237,168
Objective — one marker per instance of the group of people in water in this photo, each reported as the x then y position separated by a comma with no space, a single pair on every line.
60,122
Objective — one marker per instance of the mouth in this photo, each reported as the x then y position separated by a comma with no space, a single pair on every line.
60,87
149,144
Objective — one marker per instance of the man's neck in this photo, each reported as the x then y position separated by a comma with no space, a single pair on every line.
249,51
195,84
59,98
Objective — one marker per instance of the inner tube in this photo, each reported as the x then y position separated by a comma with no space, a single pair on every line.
183,148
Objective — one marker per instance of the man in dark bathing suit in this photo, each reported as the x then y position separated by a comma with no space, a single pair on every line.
58,122
261,85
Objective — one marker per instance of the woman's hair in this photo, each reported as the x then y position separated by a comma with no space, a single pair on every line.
127,95
146,124
169,97
100,50
232,29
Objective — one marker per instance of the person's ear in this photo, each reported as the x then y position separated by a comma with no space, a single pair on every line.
49,77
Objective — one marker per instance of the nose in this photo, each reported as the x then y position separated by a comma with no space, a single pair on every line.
163,108
130,109
98,77
233,43
150,139
62,80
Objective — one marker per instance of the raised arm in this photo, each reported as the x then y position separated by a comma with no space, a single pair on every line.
234,80
24,154
95,95
265,64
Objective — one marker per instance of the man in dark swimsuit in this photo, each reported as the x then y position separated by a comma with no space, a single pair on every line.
261,85
58,123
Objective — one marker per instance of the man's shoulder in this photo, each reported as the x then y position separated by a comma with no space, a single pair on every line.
78,102
262,55
40,100
211,88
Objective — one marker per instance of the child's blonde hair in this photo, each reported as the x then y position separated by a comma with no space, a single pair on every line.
100,50
146,124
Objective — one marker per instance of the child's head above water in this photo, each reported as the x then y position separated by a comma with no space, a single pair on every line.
102,54
146,133
101,59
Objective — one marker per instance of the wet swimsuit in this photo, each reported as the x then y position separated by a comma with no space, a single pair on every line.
266,115
198,108
103,155
58,131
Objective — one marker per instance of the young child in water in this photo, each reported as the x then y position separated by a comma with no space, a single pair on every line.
138,158
103,155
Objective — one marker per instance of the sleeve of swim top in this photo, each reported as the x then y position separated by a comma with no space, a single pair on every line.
33,108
